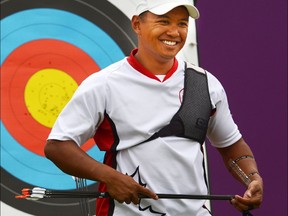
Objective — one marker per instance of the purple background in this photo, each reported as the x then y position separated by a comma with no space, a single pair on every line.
244,43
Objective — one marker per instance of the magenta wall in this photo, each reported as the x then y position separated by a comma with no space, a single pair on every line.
244,43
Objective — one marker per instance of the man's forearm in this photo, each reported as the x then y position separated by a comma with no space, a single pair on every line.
240,155
74,161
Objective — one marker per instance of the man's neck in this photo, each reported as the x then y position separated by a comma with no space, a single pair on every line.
154,65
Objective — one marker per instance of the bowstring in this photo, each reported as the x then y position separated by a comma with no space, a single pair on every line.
81,185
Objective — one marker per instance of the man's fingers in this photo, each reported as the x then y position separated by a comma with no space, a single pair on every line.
147,192
244,204
135,200
239,206
128,201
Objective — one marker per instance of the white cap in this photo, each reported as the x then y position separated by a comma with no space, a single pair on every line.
160,7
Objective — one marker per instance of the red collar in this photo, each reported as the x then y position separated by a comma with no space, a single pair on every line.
137,66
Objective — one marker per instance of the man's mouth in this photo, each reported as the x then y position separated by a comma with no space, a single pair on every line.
169,43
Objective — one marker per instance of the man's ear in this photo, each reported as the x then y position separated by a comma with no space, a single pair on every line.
135,23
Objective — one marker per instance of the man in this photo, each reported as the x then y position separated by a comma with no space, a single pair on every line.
125,108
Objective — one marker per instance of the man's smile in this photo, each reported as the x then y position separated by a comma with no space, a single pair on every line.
169,43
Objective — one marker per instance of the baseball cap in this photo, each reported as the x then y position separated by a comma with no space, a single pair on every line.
160,7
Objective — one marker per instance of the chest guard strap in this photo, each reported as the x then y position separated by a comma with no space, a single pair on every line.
191,120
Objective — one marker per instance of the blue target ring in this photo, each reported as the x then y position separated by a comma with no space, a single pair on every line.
29,165
18,30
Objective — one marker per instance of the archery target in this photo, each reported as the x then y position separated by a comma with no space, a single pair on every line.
47,49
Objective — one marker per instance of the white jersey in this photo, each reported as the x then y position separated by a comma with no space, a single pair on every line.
122,106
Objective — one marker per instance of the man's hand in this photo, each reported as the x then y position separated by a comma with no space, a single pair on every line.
252,197
124,188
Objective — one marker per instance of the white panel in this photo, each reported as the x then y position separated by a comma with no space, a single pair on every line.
7,210
126,6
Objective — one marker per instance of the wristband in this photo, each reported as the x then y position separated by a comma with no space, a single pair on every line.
253,173
243,157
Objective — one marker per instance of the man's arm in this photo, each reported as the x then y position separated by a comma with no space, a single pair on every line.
237,152
74,161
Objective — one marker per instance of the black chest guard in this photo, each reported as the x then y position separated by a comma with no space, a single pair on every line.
191,120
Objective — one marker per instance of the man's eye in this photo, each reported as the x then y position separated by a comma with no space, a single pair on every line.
183,24
163,22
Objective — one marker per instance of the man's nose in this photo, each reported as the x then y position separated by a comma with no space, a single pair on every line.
173,31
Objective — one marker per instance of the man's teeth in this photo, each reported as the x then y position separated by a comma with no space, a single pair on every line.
170,43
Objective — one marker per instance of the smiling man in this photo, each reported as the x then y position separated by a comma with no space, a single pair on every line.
151,115
160,38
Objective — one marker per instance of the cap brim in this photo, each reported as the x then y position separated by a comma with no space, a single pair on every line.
160,10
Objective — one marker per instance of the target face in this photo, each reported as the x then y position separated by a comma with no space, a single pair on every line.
47,49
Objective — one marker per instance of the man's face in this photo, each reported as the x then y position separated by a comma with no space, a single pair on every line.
163,36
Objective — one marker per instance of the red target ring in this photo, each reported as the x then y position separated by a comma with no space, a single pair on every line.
58,55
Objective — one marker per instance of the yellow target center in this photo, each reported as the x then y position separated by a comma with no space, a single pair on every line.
46,94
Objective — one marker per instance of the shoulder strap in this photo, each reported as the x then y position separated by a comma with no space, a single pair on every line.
196,107
191,120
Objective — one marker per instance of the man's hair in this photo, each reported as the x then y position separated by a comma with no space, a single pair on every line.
143,15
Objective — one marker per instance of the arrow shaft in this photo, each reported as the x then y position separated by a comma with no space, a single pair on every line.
92,194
